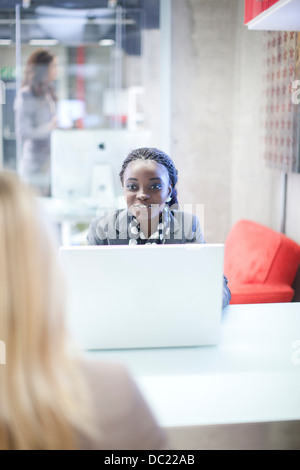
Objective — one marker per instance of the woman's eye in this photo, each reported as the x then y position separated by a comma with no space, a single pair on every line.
156,186
131,187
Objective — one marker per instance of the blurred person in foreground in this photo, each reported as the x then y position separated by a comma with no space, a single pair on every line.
52,397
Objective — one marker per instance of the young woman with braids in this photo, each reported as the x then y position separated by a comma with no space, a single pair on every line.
149,178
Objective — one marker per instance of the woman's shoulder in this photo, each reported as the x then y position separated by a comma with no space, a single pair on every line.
187,224
106,375
120,408
25,97
104,227
183,215
108,216
25,92
111,387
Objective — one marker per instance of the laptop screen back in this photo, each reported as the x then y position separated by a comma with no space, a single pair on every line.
144,296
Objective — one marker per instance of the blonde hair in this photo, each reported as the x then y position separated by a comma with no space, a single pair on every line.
43,399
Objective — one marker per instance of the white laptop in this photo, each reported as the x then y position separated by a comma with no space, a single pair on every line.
123,297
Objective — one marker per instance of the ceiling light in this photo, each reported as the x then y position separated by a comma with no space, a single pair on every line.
43,42
106,42
5,42
26,3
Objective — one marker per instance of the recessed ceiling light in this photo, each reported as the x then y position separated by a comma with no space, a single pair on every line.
5,42
43,42
106,42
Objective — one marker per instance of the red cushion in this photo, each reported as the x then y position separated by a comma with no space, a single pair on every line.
257,256
260,293
249,252
286,262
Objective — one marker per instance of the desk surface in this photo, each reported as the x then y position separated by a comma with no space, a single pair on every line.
69,210
253,375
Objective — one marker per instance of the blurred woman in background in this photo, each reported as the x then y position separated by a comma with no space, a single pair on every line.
50,396
35,109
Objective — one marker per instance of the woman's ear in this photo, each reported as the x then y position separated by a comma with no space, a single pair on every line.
169,198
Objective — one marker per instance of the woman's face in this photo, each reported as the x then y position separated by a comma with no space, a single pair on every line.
53,70
146,187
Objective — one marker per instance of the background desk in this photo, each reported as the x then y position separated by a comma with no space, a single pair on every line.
67,212
243,393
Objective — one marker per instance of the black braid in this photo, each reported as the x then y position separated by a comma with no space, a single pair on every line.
150,153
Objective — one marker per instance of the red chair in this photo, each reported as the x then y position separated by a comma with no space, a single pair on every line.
260,264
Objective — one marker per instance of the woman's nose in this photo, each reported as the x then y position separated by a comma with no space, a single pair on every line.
142,195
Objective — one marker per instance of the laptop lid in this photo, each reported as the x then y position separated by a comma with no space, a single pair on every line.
151,296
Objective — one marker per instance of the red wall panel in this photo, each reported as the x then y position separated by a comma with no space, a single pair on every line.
254,7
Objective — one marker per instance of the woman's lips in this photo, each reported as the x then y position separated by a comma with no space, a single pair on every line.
142,206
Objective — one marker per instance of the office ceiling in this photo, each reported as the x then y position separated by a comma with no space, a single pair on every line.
77,22
10,4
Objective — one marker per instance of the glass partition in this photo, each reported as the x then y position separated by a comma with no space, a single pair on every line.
82,87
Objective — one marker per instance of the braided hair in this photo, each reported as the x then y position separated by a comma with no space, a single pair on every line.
150,153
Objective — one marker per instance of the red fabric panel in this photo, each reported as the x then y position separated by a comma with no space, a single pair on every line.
286,262
260,264
260,293
249,252
80,80
253,8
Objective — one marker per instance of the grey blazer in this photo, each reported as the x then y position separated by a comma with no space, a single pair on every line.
33,116
33,119
112,229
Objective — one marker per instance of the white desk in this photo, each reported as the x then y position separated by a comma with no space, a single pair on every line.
252,376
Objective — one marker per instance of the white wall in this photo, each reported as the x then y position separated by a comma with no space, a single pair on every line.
255,188
202,107
217,145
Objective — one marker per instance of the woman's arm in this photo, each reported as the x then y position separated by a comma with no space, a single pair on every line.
199,238
226,293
